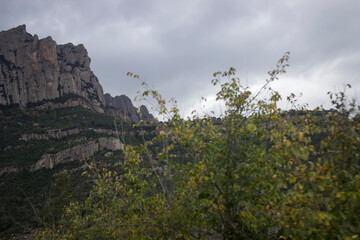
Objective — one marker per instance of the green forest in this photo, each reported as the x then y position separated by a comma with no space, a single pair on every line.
255,172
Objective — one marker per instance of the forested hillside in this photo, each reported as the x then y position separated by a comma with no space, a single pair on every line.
36,145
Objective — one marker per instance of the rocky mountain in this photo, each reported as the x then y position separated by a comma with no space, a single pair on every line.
36,70
124,104
38,75
54,116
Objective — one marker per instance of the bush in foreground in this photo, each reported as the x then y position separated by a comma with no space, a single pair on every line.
258,173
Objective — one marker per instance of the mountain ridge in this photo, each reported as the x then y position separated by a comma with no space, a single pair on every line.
39,72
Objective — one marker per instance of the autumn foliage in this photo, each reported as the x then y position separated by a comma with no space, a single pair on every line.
257,172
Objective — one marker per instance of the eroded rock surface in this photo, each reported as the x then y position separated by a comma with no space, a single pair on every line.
35,70
124,104
78,153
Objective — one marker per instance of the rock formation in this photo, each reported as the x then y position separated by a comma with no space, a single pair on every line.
33,70
40,74
124,104
77,153
41,131
43,74
60,133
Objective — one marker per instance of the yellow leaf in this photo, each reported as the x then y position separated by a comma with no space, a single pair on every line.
251,127
301,136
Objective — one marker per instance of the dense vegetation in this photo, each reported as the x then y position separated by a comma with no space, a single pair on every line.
256,173
26,196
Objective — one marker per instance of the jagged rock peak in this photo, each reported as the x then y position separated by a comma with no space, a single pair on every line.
124,104
33,70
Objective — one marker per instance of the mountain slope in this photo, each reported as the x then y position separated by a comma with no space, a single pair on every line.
53,117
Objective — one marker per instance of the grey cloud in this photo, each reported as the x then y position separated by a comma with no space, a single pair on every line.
177,45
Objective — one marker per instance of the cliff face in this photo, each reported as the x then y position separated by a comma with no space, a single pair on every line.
124,104
33,70
77,153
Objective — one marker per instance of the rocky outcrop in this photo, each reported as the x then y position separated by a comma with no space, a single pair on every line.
71,102
124,104
59,133
38,70
8,170
145,115
78,153
55,133
39,73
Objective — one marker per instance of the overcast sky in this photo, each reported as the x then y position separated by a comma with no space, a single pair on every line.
176,46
